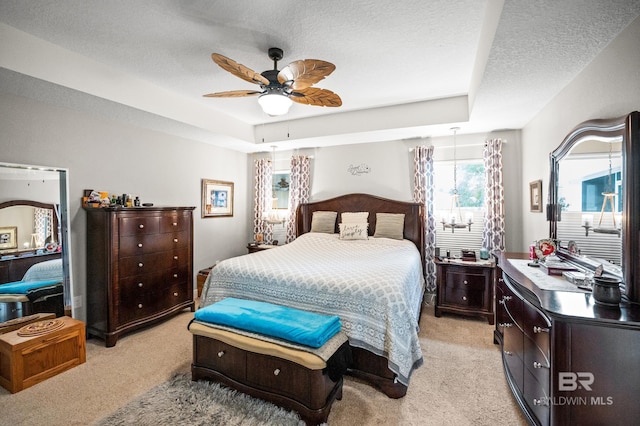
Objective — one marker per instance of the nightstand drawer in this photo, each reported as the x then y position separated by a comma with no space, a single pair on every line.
463,297
462,280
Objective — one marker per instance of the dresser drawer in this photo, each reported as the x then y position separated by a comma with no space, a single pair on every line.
171,296
278,375
149,263
139,225
536,326
537,363
537,398
176,222
151,243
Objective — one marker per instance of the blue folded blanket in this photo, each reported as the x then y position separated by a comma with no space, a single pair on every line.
294,325
23,287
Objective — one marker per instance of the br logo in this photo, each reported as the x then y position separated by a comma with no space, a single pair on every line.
570,381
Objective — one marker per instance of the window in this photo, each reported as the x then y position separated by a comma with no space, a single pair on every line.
470,184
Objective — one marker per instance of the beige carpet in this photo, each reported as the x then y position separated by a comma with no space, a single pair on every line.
460,383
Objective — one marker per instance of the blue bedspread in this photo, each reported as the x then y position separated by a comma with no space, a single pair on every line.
23,287
294,325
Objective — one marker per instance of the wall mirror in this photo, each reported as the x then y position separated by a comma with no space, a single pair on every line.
593,210
34,244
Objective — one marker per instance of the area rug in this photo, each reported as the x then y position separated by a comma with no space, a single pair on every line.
181,401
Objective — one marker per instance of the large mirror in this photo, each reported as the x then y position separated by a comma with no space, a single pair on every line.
35,273
593,209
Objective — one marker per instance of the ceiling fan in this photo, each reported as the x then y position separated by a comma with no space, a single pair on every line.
280,87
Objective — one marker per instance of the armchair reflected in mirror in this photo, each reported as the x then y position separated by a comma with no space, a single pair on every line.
593,209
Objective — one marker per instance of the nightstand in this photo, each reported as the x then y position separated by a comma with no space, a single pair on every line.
465,288
255,248
202,277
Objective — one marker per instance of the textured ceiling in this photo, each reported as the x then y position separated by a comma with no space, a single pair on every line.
403,69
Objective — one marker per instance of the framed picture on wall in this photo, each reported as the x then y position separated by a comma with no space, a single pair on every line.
217,198
535,195
8,237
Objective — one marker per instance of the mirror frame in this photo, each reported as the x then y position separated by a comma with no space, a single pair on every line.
625,129
30,203
64,225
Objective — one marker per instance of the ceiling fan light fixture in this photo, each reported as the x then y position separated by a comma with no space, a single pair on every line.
275,103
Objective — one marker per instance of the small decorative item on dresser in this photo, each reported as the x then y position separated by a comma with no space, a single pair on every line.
606,291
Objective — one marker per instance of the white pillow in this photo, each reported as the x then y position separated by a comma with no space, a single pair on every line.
389,225
354,231
354,217
325,222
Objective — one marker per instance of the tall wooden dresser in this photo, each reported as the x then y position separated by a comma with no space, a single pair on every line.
139,267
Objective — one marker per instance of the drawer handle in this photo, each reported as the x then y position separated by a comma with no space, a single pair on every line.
140,305
140,245
141,226
175,293
220,354
175,275
276,371
501,280
175,224
140,265
540,402
506,324
538,365
501,302
175,257
505,298
465,282
508,353
464,297
140,284
537,329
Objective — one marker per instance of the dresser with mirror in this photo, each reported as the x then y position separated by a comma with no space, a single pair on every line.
567,358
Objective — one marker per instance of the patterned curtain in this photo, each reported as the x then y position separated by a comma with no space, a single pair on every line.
262,198
298,190
493,231
43,226
423,193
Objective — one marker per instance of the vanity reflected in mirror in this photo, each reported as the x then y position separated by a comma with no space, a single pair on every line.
35,275
593,207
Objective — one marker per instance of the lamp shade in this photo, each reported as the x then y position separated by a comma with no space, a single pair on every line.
274,103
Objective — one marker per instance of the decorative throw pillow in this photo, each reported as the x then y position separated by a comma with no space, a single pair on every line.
354,217
354,231
389,225
322,221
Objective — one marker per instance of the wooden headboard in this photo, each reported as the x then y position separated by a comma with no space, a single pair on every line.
413,214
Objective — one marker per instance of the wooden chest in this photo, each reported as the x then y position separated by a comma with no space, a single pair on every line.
262,370
139,267
26,361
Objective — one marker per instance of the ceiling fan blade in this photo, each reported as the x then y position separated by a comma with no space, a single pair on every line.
317,97
233,94
305,73
239,70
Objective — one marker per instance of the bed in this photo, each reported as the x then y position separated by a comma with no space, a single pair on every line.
374,285
40,290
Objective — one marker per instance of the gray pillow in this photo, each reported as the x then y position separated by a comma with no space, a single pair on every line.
389,225
323,222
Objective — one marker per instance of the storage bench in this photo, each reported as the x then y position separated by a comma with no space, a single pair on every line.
294,379
28,360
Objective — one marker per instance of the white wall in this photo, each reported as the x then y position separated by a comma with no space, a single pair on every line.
608,87
120,158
